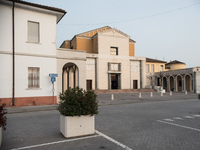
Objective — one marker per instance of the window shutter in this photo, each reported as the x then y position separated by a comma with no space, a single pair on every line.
33,32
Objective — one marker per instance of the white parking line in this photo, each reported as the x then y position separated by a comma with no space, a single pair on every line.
168,119
179,125
189,117
178,118
57,142
114,141
196,115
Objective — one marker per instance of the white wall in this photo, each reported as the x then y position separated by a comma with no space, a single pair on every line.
42,54
47,29
46,65
5,28
5,76
115,39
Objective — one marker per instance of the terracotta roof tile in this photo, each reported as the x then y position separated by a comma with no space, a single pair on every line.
38,5
175,62
155,60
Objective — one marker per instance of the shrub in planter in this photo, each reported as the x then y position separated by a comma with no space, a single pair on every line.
2,116
77,108
2,120
77,102
199,96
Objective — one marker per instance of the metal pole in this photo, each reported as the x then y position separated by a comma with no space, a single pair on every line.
13,54
53,92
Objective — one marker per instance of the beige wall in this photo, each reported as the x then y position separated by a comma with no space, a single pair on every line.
176,66
105,42
157,66
90,70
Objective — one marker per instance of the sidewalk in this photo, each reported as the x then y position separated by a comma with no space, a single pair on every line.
25,109
119,99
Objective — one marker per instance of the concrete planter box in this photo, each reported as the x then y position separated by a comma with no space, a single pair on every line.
76,126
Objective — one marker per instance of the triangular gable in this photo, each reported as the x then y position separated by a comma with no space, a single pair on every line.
91,33
116,32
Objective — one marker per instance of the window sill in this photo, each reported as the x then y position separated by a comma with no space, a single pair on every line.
34,89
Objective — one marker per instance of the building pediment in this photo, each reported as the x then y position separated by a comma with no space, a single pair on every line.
114,32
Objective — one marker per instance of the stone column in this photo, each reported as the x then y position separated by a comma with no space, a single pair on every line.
109,81
183,84
168,83
175,84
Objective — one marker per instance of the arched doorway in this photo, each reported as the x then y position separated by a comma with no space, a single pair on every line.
171,83
158,81
188,83
70,76
165,83
179,83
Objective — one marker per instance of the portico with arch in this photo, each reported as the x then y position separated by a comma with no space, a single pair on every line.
71,69
177,80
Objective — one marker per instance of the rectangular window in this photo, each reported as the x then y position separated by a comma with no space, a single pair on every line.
113,50
147,67
152,68
33,32
33,77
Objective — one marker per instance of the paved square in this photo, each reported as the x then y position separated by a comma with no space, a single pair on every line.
153,125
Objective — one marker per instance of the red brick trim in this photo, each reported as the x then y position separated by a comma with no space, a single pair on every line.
29,101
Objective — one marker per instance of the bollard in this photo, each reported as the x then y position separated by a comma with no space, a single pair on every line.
140,95
151,94
161,94
112,97
186,92
170,93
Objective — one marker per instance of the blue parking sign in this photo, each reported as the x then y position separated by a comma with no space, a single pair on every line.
53,79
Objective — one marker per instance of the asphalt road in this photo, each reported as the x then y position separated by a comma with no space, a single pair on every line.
155,125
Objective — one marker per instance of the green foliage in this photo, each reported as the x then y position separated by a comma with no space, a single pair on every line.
77,102
198,96
3,118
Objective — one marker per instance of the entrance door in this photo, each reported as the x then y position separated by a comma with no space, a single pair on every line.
89,84
135,84
114,81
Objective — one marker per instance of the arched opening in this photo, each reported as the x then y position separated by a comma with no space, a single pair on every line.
70,76
188,83
158,81
171,83
179,83
165,83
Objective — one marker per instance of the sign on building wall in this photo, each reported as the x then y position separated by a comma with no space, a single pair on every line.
135,66
114,67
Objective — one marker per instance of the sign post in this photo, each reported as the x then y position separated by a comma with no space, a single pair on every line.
53,79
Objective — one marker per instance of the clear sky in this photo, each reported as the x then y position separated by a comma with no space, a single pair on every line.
163,29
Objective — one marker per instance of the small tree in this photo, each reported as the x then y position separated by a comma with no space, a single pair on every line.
3,118
77,102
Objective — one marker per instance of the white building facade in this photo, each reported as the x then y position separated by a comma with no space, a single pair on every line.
110,59
112,67
27,40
